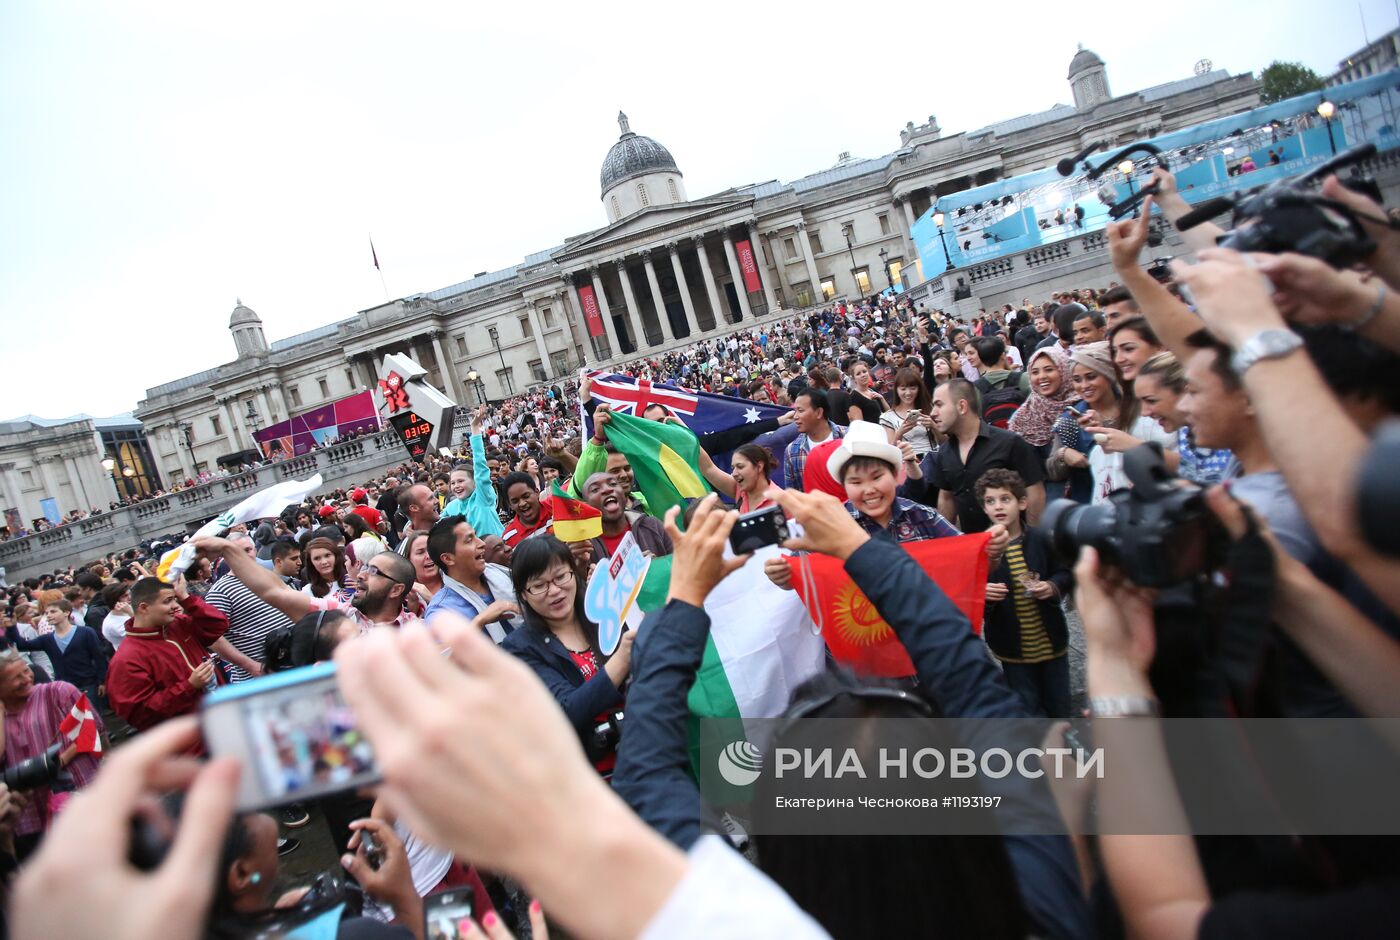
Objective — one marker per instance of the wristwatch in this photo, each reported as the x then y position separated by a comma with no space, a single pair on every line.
1267,344
1124,706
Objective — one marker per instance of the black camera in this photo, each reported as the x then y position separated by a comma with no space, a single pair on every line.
603,738
1160,532
1286,216
37,771
753,530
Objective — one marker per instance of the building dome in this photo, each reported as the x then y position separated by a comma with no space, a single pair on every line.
243,316
1083,60
634,155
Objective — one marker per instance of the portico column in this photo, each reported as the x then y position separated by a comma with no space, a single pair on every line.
760,258
907,236
662,319
634,313
567,309
447,369
281,400
738,275
778,267
615,348
50,484
271,416
75,483
230,414
692,324
709,279
813,278
536,328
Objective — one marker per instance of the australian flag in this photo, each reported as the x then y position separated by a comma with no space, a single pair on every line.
702,412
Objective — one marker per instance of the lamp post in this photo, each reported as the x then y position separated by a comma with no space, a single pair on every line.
474,378
938,218
884,259
1326,110
496,342
1126,168
187,435
254,421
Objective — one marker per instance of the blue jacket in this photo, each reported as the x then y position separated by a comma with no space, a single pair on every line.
582,701
83,663
653,761
480,507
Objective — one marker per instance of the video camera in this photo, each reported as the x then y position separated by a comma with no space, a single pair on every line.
1286,216
1160,532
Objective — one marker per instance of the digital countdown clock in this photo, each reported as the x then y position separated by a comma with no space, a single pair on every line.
414,430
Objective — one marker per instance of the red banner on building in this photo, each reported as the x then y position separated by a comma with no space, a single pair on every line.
746,264
591,315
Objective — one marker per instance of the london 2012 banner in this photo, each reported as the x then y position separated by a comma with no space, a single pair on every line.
310,429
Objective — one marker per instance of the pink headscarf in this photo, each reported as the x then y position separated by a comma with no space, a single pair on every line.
1035,419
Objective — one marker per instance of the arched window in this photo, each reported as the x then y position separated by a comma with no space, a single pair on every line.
671,185
617,209
642,194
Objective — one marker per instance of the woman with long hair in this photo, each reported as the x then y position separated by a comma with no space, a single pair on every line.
1051,391
560,643
863,402
909,419
749,476
1131,343
324,572
427,577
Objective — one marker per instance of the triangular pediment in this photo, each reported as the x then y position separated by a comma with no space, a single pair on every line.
653,224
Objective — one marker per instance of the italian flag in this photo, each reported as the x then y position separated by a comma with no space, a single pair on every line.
762,644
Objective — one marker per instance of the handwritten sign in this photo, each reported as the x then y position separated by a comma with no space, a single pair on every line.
611,598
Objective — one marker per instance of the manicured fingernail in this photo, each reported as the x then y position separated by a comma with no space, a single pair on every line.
534,907
346,861
489,920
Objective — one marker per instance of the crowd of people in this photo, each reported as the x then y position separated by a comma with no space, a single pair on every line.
533,761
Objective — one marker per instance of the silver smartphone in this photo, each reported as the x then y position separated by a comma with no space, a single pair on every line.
292,732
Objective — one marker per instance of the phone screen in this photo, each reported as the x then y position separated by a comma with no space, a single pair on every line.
293,733
447,915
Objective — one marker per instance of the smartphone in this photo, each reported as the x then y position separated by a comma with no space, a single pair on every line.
448,913
294,735
756,529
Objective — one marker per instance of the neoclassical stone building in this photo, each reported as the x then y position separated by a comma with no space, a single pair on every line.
665,268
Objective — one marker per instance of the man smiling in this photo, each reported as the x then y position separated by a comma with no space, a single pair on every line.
603,492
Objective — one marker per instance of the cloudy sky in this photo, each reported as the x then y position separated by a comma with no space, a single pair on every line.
161,160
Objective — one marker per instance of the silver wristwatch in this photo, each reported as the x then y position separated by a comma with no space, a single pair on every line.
1124,706
1268,344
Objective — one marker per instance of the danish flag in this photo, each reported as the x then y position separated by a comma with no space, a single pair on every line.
80,727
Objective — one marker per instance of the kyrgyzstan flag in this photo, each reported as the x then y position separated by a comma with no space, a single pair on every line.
854,630
80,727
574,520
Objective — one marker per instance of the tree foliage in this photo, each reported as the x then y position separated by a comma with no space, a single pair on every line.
1286,80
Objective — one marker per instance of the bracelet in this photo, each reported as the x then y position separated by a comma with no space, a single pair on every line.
1369,315
1124,706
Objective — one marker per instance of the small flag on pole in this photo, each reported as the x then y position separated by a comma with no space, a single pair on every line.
574,520
80,727
375,255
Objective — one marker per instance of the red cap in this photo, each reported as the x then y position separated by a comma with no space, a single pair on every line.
325,512
358,496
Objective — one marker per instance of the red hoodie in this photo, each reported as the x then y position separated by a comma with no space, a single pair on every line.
148,680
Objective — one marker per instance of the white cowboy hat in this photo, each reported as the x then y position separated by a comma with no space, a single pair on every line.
865,439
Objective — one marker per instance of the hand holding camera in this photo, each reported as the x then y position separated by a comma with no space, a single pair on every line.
698,563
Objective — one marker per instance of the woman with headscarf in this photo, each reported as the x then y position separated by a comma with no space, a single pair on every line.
1095,386
1051,391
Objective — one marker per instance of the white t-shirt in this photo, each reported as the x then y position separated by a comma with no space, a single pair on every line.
114,629
1108,468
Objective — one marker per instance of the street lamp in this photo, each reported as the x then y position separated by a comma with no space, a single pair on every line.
1326,110
846,234
1126,168
108,464
884,259
474,378
496,341
938,218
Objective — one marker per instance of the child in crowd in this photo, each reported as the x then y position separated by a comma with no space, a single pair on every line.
1025,626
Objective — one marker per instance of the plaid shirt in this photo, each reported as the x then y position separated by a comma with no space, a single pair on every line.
29,733
332,602
909,522
795,457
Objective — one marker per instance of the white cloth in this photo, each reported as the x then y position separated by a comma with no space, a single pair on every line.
114,629
1108,468
722,895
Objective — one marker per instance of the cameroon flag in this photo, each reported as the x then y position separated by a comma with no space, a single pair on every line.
665,460
574,520
853,629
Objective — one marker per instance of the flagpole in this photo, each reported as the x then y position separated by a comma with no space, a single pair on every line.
374,255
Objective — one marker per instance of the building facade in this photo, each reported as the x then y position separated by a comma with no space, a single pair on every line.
665,268
51,468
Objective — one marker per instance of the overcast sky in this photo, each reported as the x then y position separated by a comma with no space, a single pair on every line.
161,160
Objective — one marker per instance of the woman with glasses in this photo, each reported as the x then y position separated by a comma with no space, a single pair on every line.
560,643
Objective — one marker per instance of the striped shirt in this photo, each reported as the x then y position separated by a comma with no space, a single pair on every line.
29,732
1035,641
250,620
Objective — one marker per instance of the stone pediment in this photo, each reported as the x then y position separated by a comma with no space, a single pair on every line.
653,225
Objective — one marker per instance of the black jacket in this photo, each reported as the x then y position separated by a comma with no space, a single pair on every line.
1003,630
582,701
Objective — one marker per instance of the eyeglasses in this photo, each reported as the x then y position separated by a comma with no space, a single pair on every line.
373,570
541,588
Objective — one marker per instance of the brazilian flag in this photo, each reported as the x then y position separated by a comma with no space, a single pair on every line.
665,460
